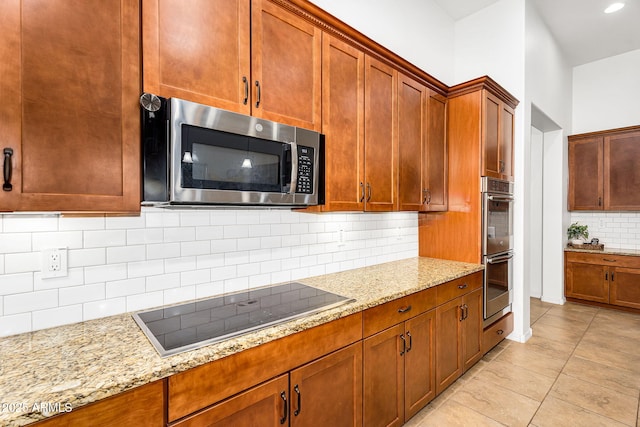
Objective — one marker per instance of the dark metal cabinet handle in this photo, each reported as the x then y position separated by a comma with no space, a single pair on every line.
369,192
285,412
410,341
461,312
499,332
258,94
463,286
404,309
299,409
612,276
7,169
606,275
246,90
404,345
599,201
609,260
361,192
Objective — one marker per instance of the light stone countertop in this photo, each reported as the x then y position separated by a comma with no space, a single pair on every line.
84,362
612,251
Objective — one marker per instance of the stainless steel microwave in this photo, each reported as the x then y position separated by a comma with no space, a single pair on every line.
196,155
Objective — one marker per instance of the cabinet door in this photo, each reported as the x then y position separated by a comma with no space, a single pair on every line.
384,378
624,287
69,88
621,171
343,124
142,406
586,174
587,281
448,344
491,135
267,402
380,131
328,392
472,329
199,51
505,163
286,66
420,381
412,141
436,170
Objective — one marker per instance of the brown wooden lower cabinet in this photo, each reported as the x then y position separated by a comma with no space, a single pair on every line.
325,392
398,371
606,279
143,406
458,337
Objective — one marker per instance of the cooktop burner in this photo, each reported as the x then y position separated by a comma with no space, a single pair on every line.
193,325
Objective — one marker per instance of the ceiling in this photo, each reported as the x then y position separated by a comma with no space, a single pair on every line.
580,27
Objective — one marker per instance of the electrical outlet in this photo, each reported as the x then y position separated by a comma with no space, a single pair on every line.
54,263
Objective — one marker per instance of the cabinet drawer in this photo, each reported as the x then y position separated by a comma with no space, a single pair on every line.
497,332
200,387
604,259
458,287
393,312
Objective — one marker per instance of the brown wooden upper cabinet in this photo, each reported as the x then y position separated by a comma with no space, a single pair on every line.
69,116
358,119
497,137
422,147
603,170
248,56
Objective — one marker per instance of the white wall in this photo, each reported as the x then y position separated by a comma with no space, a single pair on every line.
606,93
548,105
121,264
417,30
491,42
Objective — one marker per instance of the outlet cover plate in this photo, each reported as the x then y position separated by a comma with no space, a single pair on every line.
54,263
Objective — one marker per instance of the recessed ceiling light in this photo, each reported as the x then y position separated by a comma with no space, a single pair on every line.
614,7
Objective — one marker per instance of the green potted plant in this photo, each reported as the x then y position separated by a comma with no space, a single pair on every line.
578,234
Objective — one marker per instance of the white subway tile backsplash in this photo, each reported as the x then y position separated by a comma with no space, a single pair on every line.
22,262
123,288
11,243
165,256
49,318
616,230
81,294
104,238
30,301
104,308
17,324
16,283
105,273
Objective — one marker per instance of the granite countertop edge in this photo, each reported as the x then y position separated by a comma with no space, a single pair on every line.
85,362
612,251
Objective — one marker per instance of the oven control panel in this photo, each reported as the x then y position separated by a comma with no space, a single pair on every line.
305,170
492,185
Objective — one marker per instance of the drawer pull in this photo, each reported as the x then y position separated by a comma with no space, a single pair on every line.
609,260
410,342
463,286
499,332
7,169
285,412
404,309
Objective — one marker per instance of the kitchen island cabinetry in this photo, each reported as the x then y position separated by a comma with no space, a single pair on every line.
69,116
248,56
142,406
609,279
603,172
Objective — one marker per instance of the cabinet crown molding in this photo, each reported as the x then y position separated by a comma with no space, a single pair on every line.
484,82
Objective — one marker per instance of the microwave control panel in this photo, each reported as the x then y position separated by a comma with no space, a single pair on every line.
305,170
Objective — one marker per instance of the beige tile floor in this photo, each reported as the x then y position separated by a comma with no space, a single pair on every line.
580,368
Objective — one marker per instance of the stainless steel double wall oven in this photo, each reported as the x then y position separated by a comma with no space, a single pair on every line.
497,247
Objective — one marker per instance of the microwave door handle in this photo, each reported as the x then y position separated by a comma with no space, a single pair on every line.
294,167
500,259
501,198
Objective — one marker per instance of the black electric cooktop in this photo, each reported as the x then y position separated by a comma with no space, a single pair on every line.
192,325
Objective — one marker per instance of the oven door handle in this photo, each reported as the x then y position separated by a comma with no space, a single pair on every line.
508,199
499,259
